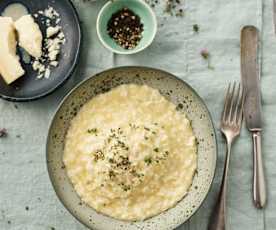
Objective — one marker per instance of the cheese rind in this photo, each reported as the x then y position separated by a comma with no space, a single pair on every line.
30,36
10,67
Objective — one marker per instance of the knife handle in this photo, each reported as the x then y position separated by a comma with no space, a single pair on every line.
259,186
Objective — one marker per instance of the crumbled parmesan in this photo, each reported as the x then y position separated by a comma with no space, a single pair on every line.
51,31
47,73
52,44
54,63
50,13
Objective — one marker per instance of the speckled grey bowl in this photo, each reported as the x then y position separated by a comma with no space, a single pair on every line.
174,90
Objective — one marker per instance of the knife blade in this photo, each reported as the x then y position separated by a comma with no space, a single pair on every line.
250,71
251,77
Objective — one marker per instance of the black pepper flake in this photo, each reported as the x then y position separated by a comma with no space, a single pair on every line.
196,28
172,8
205,54
125,28
179,106
27,208
3,132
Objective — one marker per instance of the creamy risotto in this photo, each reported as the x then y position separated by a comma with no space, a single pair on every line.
130,154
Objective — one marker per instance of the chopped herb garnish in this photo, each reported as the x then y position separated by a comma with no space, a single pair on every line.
146,128
196,28
111,174
148,160
98,155
93,131
156,150
111,160
126,188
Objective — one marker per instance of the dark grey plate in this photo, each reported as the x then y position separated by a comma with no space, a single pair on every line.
175,90
28,87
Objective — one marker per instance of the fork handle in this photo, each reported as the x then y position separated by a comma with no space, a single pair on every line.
218,217
259,185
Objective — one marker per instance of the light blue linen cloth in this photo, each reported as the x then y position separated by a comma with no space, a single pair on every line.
24,182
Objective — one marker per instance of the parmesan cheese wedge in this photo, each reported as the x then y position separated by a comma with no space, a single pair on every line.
30,36
10,67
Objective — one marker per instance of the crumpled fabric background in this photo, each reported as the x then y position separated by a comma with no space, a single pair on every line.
27,200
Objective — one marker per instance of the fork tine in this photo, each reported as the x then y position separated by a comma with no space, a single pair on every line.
241,107
237,101
232,103
226,102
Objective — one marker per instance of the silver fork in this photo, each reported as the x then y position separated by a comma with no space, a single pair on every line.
231,122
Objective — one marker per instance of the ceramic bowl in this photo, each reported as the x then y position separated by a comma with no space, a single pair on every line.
175,90
140,8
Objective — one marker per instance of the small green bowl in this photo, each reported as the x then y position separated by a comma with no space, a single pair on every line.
140,8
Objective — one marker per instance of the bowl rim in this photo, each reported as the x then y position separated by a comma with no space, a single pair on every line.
126,52
69,73
60,198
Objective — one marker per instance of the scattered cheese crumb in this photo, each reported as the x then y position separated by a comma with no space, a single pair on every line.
61,35
54,63
47,73
48,22
52,43
51,31
50,12
38,66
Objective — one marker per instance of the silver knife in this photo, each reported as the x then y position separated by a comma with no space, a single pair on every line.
250,70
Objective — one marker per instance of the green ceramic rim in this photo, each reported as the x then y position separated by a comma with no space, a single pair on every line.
135,50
